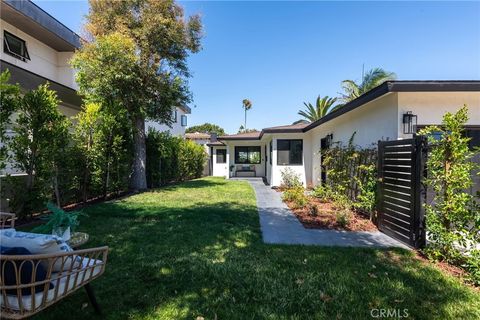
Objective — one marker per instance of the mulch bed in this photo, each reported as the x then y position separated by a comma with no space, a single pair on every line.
326,218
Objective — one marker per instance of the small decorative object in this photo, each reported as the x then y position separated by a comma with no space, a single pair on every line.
409,122
59,222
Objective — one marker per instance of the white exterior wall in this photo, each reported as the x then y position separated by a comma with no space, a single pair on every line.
376,120
431,106
176,130
304,170
219,169
44,60
259,168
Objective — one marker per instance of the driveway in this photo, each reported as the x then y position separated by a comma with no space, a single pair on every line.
280,226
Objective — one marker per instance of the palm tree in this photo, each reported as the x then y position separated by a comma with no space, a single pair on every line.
370,80
247,105
322,107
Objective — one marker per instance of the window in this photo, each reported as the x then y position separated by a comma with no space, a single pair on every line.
183,119
175,116
221,156
474,135
289,152
247,155
15,46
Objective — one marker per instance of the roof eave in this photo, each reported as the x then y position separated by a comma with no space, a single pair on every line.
35,21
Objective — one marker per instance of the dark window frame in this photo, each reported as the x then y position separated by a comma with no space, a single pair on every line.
224,154
290,160
256,149
271,151
6,47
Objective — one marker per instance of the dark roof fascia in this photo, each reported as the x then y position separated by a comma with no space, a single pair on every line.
30,81
215,145
238,138
296,130
264,131
363,99
45,20
377,92
400,86
434,86
185,109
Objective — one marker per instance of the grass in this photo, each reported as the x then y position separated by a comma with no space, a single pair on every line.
195,250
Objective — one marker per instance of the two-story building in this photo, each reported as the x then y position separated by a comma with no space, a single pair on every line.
36,48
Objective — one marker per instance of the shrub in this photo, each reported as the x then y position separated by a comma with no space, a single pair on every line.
9,99
40,134
191,160
313,209
452,218
323,192
296,196
290,179
343,217
341,202
171,159
352,171
472,265
103,148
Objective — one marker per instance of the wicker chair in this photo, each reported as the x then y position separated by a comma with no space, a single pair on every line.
77,269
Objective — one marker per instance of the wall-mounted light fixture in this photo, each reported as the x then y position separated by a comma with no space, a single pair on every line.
409,123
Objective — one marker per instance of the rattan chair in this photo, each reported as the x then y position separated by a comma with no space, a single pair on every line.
77,269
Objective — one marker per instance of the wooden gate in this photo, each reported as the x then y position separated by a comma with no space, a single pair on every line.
401,194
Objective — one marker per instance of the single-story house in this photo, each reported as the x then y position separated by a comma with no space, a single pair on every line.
394,110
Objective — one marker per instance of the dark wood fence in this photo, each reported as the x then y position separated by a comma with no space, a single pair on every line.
401,193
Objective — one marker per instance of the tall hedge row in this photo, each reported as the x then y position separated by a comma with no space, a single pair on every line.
172,159
72,160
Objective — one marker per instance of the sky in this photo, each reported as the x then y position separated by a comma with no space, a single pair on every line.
281,54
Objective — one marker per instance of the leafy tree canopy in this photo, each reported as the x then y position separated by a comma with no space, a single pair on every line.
206,128
9,99
137,62
323,106
370,80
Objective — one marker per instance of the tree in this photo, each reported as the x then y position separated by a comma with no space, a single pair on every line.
40,130
242,129
102,144
370,80
9,98
247,105
206,128
137,63
452,218
322,107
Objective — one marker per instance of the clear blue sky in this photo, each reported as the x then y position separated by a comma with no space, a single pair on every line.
280,54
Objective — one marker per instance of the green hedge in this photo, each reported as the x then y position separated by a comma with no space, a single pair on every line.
171,159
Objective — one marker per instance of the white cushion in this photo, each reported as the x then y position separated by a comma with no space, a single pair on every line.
64,286
37,244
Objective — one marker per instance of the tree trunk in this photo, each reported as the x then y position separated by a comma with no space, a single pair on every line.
138,181
106,178
55,187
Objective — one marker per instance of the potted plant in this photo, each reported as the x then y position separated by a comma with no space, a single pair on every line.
59,222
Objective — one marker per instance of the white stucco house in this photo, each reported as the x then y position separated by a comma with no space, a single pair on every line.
376,115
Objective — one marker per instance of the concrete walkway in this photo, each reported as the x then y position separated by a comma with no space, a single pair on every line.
279,225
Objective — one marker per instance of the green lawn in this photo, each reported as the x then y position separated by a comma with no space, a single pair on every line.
195,249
